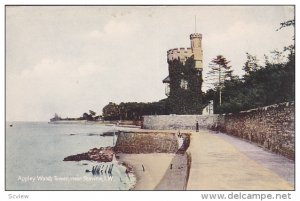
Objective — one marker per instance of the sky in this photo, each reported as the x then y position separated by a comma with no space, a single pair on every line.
71,59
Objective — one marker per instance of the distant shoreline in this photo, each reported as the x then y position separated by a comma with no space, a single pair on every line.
127,124
75,122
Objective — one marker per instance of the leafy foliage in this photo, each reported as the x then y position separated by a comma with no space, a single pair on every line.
111,111
132,110
286,24
273,83
185,88
251,64
261,85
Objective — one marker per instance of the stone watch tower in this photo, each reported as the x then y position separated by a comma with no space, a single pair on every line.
196,45
184,82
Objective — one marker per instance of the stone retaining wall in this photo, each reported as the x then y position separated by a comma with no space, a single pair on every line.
272,127
175,122
139,142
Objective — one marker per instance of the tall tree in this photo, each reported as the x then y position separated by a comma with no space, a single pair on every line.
219,72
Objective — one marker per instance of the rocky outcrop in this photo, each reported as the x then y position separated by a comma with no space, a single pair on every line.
103,154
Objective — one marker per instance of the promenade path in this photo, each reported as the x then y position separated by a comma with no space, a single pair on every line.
222,162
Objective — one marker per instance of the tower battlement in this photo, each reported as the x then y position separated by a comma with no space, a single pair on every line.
180,54
196,35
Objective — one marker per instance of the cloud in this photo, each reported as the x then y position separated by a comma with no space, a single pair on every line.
50,86
70,88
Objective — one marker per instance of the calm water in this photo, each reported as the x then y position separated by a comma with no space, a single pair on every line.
35,153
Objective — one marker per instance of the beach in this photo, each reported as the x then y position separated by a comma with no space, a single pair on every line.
158,158
157,173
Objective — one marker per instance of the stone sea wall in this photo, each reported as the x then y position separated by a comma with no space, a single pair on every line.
272,127
139,142
152,142
175,122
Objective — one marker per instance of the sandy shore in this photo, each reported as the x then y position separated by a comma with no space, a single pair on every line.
157,173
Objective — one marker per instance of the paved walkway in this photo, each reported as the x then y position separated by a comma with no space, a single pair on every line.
220,162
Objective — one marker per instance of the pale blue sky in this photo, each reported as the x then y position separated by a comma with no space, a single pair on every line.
71,59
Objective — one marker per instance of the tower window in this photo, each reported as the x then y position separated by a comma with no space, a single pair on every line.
184,84
167,89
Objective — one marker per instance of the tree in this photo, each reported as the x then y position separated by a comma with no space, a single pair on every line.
87,117
111,112
251,64
92,112
220,71
277,57
92,115
272,83
286,24
133,110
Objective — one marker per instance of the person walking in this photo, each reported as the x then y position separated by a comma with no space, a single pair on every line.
197,126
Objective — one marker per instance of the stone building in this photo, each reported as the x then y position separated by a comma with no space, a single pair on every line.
184,82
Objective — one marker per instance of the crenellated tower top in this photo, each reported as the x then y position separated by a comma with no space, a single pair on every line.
196,35
182,54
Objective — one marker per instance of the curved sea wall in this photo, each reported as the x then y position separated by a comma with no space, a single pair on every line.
158,159
146,142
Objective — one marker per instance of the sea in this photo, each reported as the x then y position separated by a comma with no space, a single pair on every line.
34,153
